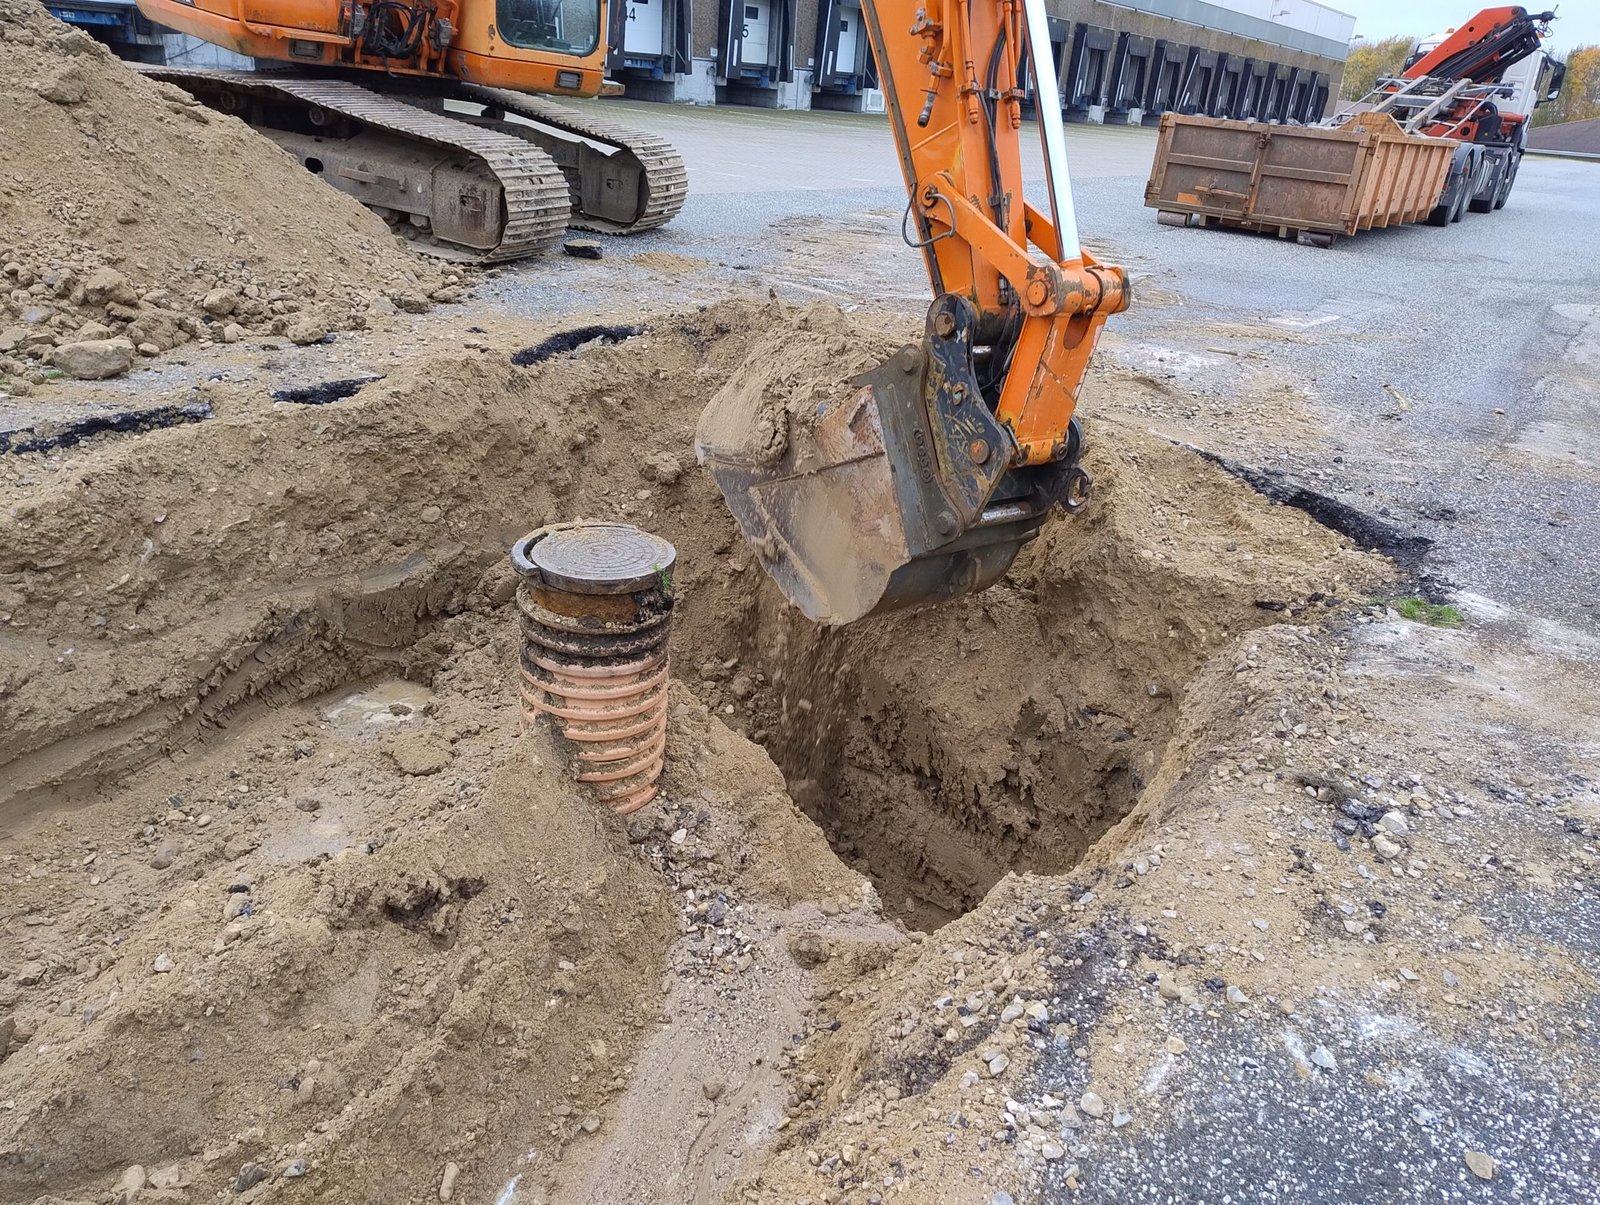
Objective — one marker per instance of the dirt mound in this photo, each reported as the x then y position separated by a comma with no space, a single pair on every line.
271,825
367,938
129,212
289,943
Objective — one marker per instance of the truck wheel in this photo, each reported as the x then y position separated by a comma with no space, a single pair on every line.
1508,180
1484,201
1457,188
1444,212
1471,169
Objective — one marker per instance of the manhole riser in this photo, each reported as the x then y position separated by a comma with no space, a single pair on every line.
596,607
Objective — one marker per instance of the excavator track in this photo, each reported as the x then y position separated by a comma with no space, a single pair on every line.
639,185
535,193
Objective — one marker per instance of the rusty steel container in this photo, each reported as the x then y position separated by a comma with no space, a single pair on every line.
1310,182
595,602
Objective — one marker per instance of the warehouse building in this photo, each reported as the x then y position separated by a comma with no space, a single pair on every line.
1276,60
1130,61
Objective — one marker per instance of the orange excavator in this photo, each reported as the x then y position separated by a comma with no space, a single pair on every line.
928,476
924,480
434,113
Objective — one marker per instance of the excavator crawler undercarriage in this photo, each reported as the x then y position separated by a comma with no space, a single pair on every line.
466,171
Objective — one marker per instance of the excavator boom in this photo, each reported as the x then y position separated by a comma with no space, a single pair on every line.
925,480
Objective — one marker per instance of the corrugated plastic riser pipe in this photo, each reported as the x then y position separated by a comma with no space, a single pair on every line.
595,601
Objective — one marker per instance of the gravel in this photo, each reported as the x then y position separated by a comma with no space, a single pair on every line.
1410,1117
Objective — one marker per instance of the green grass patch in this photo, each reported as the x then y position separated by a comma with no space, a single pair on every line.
1435,615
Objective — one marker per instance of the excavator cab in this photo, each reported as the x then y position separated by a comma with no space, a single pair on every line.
561,26
925,476
542,46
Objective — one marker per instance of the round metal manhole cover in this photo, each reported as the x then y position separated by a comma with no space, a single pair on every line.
595,558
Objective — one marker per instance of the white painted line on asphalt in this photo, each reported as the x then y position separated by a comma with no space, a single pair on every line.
1297,322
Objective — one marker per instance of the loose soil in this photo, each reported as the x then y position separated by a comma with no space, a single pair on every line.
293,908
127,209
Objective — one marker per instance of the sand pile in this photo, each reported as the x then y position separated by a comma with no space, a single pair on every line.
133,220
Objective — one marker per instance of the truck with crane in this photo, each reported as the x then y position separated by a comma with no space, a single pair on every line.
1444,137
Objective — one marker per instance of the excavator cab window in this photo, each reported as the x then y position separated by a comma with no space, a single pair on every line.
564,26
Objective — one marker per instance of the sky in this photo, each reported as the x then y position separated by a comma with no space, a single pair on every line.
1577,21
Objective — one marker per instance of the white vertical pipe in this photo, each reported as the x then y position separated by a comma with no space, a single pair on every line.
1052,133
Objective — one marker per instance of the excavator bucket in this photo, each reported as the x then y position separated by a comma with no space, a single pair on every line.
888,494
823,518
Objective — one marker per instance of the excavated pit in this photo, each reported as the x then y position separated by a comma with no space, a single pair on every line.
938,753
276,552
268,820
1009,731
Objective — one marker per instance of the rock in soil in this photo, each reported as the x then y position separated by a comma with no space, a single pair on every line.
418,755
95,359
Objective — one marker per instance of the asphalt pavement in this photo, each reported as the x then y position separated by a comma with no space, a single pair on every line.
1458,370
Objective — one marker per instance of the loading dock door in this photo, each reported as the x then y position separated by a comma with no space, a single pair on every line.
1128,73
757,21
757,41
849,39
1299,95
1088,68
1318,104
1167,84
1280,108
644,32
1166,77
841,50
1272,94
1251,91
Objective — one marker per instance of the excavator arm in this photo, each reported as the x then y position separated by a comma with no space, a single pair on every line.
925,481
